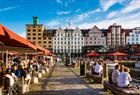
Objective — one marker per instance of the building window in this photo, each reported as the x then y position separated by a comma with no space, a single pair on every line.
39,42
61,42
39,34
44,46
44,38
136,39
34,38
39,38
28,30
90,42
90,38
50,46
132,39
94,38
28,33
34,30
39,30
71,38
34,34
44,42
132,35
29,38
49,38
49,42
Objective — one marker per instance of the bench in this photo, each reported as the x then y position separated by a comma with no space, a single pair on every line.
96,78
120,91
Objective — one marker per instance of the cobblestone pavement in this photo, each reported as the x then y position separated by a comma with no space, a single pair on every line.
64,81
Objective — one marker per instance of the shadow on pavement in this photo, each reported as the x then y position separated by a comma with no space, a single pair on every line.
67,92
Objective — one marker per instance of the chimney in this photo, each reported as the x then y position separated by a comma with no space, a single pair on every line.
35,20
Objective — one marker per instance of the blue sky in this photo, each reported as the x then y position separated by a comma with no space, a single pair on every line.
83,13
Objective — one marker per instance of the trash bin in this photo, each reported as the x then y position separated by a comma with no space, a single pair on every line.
82,69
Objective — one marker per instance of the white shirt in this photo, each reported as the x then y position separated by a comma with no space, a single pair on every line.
115,75
11,79
124,79
98,68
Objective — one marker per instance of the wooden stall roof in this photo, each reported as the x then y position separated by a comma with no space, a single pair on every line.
12,39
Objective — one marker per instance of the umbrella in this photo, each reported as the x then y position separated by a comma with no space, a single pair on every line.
93,54
117,54
138,54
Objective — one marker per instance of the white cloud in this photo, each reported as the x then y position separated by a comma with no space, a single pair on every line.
62,12
85,15
59,1
8,8
22,34
126,11
130,21
133,5
112,14
53,24
106,4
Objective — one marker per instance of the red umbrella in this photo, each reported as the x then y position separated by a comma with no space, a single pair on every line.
138,54
93,54
117,54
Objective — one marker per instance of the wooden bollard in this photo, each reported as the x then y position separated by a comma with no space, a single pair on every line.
105,71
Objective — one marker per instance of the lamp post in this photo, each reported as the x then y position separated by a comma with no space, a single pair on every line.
70,36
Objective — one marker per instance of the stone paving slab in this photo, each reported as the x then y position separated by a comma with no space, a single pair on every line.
63,81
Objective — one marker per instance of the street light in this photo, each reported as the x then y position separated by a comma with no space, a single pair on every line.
70,35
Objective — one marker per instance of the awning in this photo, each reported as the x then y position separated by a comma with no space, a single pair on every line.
93,54
117,54
12,39
1,31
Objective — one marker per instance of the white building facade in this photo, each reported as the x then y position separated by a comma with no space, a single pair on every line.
68,41
134,36
95,37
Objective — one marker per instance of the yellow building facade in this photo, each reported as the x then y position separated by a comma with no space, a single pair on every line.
37,34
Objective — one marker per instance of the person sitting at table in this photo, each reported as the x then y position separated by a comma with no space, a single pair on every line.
124,78
98,69
9,69
93,68
115,74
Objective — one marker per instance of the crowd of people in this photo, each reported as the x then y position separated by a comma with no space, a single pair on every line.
21,72
119,75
